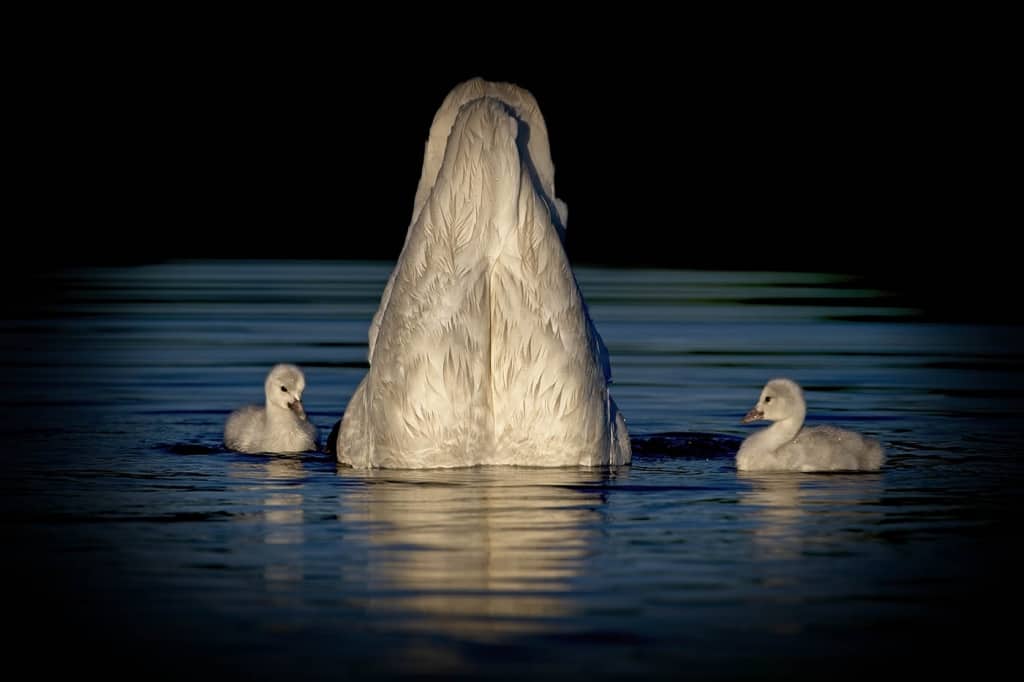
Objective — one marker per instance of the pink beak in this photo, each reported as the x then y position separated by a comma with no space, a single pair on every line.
753,416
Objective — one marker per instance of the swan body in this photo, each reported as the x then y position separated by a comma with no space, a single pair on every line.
482,350
787,446
281,424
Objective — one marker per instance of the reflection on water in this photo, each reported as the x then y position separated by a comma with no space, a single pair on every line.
477,552
777,513
163,552
793,514
283,517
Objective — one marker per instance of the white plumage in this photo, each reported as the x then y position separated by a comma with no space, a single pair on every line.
482,350
279,426
787,446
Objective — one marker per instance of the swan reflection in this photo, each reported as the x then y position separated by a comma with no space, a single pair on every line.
479,552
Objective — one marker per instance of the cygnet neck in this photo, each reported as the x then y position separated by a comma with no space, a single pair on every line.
785,430
781,432
278,413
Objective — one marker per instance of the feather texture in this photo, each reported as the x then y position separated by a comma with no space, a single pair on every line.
482,350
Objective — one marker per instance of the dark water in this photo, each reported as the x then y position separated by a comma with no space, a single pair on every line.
143,549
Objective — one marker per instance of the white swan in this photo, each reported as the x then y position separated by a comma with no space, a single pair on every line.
482,350
279,426
786,446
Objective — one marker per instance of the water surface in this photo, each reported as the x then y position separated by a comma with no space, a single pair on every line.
142,548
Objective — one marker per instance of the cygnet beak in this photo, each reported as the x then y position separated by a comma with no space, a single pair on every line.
753,416
296,407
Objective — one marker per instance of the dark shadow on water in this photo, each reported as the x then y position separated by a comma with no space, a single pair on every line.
329,445
190,449
685,444
670,444
695,445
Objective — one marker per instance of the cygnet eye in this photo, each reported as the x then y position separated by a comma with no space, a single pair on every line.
284,388
767,398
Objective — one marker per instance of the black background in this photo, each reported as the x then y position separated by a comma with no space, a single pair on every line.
840,149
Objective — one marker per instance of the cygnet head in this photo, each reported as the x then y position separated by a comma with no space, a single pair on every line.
284,387
780,399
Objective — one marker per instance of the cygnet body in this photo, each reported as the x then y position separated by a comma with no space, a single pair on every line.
787,446
281,425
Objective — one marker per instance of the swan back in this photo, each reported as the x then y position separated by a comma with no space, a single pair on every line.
482,350
536,152
525,108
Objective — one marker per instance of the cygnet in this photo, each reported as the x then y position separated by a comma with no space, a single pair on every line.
787,446
279,426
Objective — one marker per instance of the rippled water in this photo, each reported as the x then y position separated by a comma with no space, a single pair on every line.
141,548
